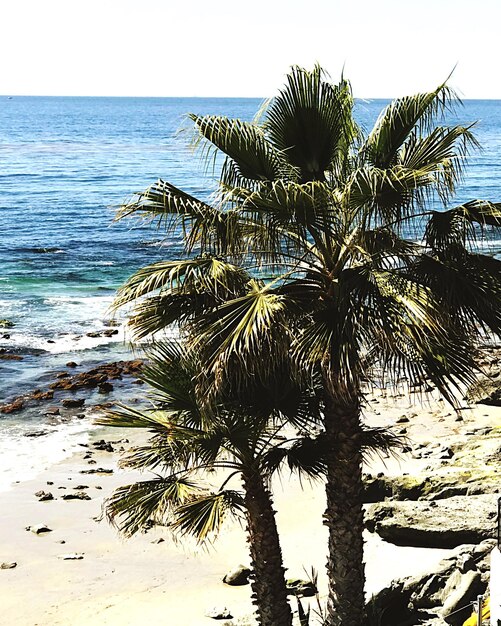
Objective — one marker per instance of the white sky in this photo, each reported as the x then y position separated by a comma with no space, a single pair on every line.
236,48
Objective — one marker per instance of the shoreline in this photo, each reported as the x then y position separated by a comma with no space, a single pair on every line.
133,581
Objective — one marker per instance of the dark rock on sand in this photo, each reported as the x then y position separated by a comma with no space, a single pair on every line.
43,496
219,613
77,495
8,565
104,446
39,529
97,470
10,357
237,577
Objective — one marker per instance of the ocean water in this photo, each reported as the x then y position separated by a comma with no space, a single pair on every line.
65,164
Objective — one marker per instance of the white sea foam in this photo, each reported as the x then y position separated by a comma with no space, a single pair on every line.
24,457
65,343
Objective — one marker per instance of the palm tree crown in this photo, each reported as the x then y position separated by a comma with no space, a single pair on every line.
368,282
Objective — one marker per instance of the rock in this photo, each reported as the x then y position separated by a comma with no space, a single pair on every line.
298,587
77,495
16,405
71,364
36,433
111,322
218,613
80,487
70,403
452,522
98,470
6,324
105,387
8,565
460,590
38,394
238,576
11,357
104,446
6,336
73,556
52,410
109,332
44,496
93,334
403,419
39,529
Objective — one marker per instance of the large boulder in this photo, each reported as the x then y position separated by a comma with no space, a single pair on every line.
433,597
440,524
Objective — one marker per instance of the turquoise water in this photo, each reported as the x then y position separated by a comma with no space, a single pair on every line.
65,163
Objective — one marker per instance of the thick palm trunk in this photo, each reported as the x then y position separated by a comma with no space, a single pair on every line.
268,581
344,515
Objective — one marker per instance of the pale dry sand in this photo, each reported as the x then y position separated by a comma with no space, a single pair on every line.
138,581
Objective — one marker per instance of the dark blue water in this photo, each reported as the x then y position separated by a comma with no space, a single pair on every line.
65,163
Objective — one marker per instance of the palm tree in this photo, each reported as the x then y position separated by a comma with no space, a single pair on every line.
239,438
368,282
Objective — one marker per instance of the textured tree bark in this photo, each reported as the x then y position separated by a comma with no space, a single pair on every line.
268,581
344,514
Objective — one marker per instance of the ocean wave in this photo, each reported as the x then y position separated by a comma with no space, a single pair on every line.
64,343
25,457
53,250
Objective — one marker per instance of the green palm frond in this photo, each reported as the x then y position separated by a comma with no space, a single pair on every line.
206,228
450,231
468,288
253,155
203,516
442,153
128,417
311,122
400,119
209,275
166,204
304,455
243,335
299,207
132,507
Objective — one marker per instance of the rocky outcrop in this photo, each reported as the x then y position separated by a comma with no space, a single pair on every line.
97,377
438,597
439,524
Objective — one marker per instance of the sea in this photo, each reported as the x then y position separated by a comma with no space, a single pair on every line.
66,164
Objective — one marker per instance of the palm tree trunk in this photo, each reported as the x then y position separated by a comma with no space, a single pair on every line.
344,514
268,581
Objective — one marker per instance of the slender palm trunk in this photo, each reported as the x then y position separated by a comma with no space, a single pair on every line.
268,583
344,515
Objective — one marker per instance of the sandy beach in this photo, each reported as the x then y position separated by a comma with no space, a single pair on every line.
144,579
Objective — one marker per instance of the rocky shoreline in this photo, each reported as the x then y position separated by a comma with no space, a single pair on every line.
441,492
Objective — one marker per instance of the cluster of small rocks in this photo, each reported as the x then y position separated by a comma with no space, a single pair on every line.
97,377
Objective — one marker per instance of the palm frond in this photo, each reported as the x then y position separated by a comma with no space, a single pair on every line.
399,119
255,158
208,275
311,122
450,231
203,516
132,507
206,228
304,455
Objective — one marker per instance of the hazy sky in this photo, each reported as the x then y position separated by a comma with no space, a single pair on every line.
235,48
